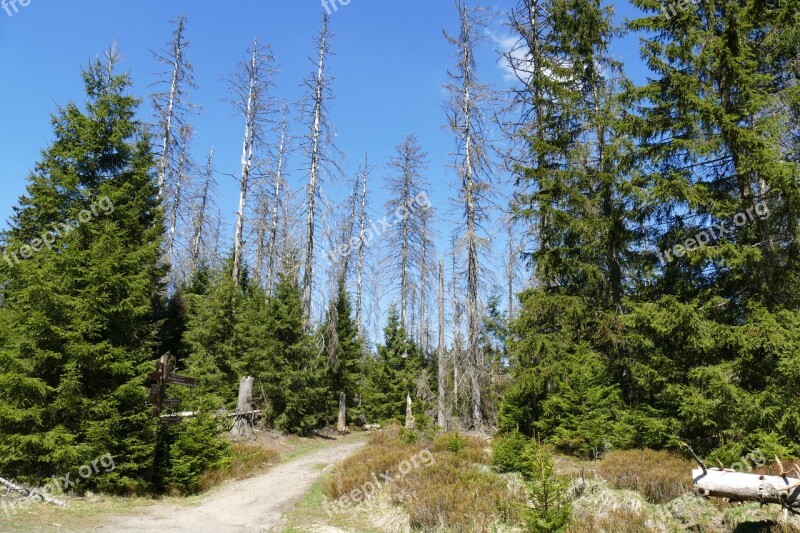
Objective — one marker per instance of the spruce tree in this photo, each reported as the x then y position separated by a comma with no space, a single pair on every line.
392,373
78,316
344,349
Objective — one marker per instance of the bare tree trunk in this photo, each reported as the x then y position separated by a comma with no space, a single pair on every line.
181,175
180,72
341,425
261,238
456,331
441,377
746,487
200,218
511,268
272,253
423,294
243,427
313,183
362,221
248,144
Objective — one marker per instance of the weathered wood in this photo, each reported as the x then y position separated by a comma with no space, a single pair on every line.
31,493
243,425
341,425
745,486
410,423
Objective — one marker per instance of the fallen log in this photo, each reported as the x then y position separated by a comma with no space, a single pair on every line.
31,493
746,486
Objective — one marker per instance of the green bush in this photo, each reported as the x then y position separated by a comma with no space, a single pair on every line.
508,453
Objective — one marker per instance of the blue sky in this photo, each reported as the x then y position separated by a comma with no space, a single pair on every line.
390,64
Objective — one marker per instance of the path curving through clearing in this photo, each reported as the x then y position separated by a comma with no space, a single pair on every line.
251,505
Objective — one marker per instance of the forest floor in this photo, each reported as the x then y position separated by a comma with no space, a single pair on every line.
255,504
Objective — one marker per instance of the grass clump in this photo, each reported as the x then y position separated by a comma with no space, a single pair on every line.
611,521
658,475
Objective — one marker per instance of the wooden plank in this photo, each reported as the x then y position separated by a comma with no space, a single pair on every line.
172,403
183,381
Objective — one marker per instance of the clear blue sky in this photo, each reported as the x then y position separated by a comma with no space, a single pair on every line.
390,64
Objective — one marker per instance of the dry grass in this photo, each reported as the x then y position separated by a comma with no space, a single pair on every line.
659,475
453,492
613,521
247,459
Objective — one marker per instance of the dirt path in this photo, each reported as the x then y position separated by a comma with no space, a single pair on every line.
249,506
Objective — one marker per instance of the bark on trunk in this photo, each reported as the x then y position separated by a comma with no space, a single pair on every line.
243,425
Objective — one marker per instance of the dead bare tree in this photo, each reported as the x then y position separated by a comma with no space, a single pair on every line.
465,111
317,144
250,87
408,209
441,417
202,204
279,185
181,182
171,105
427,250
362,223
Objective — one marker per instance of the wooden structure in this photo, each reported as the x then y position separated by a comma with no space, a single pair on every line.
159,380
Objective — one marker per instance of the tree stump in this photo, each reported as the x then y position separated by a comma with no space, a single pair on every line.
243,423
410,423
341,425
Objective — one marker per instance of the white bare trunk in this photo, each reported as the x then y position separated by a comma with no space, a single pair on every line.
248,143
361,245
313,183
272,254
744,486
441,377
200,217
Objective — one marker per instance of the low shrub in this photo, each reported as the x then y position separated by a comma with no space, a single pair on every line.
246,459
470,450
382,456
508,453
660,476
453,494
